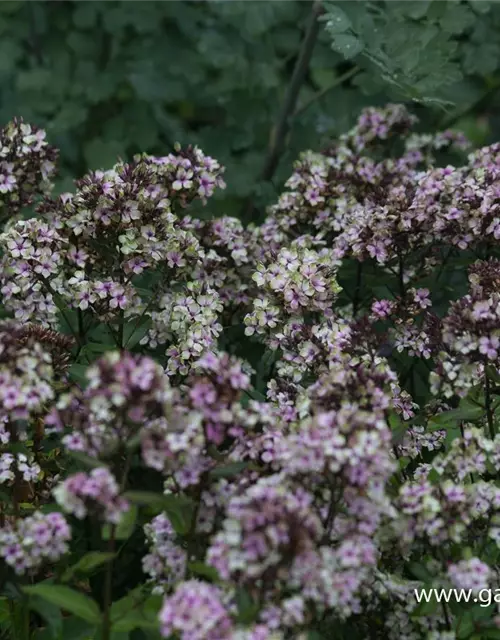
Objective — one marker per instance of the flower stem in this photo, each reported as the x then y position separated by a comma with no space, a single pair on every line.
487,402
357,289
108,588
282,125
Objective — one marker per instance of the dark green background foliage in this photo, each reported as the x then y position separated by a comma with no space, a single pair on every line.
110,79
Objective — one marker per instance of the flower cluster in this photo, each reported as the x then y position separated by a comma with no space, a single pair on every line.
122,392
96,494
33,541
90,249
470,574
12,465
27,164
215,390
264,530
166,561
367,304
470,333
189,321
26,374
300,280
196,612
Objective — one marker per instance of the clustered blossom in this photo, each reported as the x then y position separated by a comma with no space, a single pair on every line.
166,561
19,464
358,452
215,390
470,333
196,612
122,392
189,320
90,248
27,164
26,374
96,493
264,529
300,279
231,249
470,574
33,541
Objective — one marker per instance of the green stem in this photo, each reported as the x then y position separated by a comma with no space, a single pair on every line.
108,577
292,93
108,589
320,94
357,289
62,311
451,119
487,402
121,330
401,273
19,614
282,126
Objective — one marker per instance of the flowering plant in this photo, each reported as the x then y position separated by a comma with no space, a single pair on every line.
211,431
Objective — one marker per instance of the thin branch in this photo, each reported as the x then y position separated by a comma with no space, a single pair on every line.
288,107
279,131
357,289
487,402
320,94
451,119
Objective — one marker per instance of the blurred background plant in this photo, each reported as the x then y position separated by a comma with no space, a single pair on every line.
109,79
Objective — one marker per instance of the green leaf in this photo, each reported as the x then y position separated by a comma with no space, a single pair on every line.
133,599
457,18
85,15
4,611
51,613
256,395
349,46
103,154
12,6
127,523
466,412
67,599
492,633
336,20
203,570
77,629
248,608
97,348
125,527
420,572
146,498
436,11
135,612
77,374
88,563
87,461
483,6
229,470
133,334
464,625
416,9
425,608
178,508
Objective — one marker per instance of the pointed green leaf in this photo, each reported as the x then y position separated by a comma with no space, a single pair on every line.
125,527
67,599
347,45
229,470
204,570
336,20
88,563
